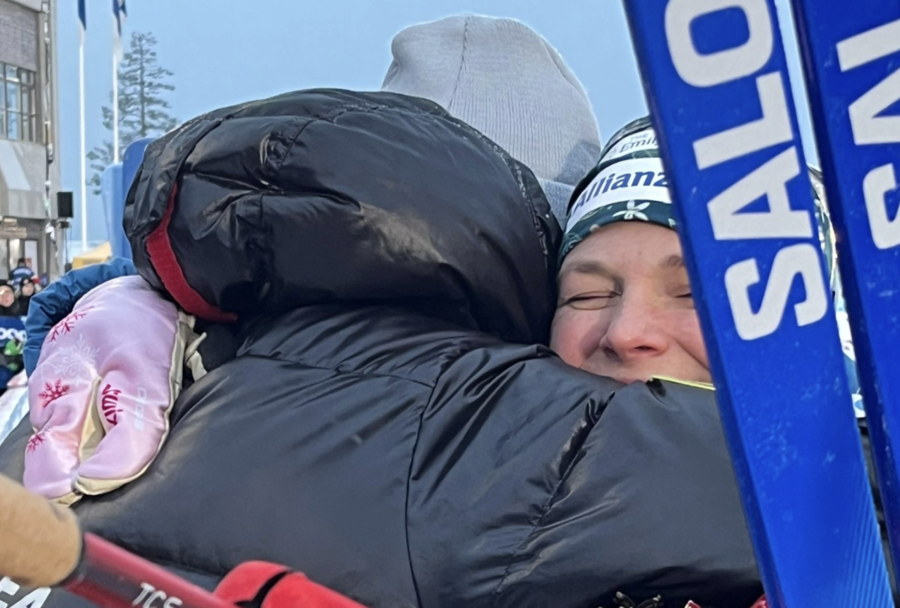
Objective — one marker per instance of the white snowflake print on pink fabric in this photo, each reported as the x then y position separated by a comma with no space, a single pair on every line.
76,362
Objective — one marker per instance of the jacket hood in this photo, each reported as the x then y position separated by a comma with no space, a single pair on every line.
334,196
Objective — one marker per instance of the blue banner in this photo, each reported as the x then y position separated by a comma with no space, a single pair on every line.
112,196
717,84
115,182
852,62
12,341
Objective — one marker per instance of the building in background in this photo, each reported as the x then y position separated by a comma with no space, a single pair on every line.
29,136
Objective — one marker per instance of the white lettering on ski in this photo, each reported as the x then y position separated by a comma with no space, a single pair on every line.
876,186
868,127
802,260
769,180
772,129
724,66
871,129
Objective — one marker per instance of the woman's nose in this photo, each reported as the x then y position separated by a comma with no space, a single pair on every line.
634,331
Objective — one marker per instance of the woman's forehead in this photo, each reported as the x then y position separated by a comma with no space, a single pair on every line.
625,253
629,241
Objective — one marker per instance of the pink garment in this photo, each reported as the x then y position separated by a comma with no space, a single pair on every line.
102,391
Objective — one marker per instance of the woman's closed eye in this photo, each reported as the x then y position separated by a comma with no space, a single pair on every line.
684,297
590,300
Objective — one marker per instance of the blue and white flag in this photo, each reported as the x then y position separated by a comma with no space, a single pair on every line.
82,17
119,14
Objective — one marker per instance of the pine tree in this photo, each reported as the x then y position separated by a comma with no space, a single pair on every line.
143,109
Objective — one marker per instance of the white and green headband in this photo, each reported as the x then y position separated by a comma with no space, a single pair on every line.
628,184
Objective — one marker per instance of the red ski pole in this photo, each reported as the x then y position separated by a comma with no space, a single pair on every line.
42,546
111,577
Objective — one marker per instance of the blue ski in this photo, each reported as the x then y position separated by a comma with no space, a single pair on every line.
852,65
717,84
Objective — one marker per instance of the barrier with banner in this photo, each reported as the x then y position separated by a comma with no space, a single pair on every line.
12,341
115,183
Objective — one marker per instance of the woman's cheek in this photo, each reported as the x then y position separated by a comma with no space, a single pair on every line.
692,339
564,336
575,334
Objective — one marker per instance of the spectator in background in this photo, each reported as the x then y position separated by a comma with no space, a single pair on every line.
21,271
26,290
12,330
8,305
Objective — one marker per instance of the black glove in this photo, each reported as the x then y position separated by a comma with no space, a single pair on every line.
623,601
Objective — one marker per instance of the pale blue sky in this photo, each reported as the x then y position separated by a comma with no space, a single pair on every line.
228,51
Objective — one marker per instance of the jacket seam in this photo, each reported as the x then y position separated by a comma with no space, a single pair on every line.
287,153
545,510
546,253
412,460
448,359
338,370
336,113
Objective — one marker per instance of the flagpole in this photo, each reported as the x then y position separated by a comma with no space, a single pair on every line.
83,145
119,14
115,107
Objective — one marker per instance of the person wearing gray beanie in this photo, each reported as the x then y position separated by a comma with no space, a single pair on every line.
504,79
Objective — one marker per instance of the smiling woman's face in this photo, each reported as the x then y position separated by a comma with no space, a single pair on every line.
7,296
625,307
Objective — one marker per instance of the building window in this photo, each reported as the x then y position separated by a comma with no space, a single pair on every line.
18,112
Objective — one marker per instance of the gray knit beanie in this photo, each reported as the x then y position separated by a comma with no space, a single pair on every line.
505,80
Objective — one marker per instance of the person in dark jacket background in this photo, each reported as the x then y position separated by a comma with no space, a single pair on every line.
11,335
26,292
21,271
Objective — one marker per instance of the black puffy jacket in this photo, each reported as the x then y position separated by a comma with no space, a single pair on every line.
387,425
